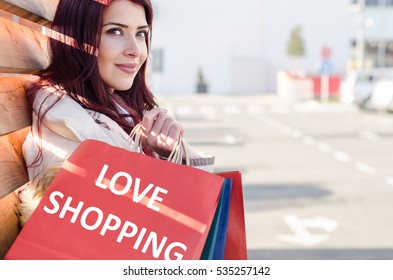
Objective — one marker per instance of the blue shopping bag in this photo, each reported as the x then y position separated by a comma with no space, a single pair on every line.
214,248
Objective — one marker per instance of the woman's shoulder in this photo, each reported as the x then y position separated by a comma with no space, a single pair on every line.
56,106
52,98
45,92
64,115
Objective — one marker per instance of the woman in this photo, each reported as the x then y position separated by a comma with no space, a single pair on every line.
95,88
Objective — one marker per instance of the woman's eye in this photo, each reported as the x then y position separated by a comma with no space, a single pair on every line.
115,31
142,34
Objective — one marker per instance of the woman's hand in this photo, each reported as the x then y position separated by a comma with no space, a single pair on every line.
160,131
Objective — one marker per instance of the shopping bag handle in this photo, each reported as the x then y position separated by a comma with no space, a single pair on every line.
178,153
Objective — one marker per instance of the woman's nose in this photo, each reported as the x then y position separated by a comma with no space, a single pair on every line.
133,48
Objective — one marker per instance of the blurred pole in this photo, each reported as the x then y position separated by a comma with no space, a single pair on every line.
326,70
325,88
360,33
381,55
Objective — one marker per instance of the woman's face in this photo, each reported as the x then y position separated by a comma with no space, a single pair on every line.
122,49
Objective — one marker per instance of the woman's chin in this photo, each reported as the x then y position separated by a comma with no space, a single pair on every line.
122,86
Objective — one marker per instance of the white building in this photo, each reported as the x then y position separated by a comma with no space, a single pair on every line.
373,27
241,45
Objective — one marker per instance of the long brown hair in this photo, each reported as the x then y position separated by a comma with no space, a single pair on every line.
74,67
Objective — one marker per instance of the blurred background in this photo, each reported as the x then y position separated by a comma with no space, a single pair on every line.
296,95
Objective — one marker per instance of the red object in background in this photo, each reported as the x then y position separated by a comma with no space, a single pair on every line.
326,52
334,85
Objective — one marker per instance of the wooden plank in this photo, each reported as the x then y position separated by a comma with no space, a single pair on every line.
15,112
22,50
9,12
9,227
15,121
13,172
43,8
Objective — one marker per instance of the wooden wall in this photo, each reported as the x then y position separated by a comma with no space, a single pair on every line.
23,48
43,8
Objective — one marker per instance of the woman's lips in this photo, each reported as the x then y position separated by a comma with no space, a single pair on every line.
127,68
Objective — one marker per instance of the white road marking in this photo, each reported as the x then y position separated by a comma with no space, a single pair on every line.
389,181
371,136
183,110
232,109
365,168
207,110
341,156
230,139
301,235
254,110
308,140
297,134
324,147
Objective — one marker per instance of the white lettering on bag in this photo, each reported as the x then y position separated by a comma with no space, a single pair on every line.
137,196
67,208
128,232
107,224
56,205
97,223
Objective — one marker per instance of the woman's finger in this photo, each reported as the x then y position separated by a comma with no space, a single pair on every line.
149,117
156,134
160,131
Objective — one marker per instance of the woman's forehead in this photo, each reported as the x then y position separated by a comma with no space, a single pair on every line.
125,11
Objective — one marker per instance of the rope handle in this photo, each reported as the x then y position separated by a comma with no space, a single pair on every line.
177,154
135,142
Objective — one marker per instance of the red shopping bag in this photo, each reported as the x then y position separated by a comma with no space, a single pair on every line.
236,245
108,203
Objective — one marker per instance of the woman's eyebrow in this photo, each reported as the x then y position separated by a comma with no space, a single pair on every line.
115,23
124,25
